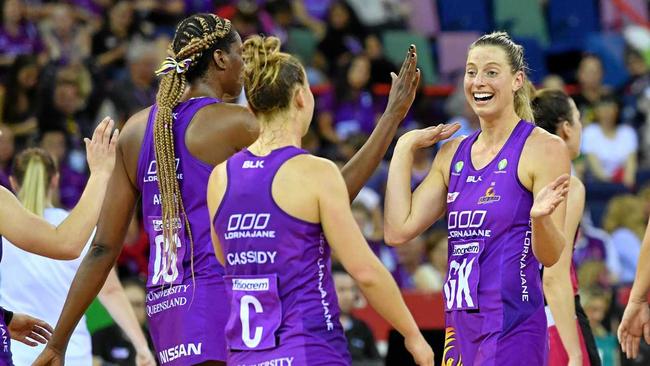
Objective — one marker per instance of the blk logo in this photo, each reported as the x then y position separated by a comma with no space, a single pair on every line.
250,164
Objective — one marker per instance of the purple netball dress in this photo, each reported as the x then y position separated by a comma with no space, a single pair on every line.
493,292
284,309
186,322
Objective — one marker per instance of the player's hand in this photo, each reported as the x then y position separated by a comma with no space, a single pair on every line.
634,325
403,86
29,330
427,137
420,350
144,357
550,197
100,150
49,357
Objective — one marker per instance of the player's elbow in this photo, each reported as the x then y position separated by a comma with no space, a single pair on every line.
395,235
548,258
366,275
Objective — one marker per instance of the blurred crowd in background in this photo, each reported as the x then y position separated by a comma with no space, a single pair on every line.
66,64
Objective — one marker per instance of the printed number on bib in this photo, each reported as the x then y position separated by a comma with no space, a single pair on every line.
165,266
461,287
256,312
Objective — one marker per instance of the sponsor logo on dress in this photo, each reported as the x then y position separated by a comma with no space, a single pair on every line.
283,361
490,196
473,179
250,284
250,225
462,249
178,351
501,167
252,164
152,170
451,197
458,167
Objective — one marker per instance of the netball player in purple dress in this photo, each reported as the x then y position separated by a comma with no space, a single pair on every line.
278,212
502,189
32,233
166,155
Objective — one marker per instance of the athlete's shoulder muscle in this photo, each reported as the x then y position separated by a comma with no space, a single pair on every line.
442,161
130,142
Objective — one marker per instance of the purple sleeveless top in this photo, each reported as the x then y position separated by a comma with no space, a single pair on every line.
493,287
5,338
278,278
192,177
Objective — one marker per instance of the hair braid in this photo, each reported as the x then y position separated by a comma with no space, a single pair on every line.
196,35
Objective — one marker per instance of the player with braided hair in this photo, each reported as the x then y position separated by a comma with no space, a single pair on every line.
166,154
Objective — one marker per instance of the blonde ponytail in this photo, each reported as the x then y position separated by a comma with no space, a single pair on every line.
33,172
523,98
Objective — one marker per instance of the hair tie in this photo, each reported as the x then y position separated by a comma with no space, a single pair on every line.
170,64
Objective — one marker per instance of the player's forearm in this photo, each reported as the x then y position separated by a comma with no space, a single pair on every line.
642,280
398,200
357,171
548,240
87,282
379,287
75,230
559,296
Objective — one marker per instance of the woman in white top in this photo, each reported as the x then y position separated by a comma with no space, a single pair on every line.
610,148
35,178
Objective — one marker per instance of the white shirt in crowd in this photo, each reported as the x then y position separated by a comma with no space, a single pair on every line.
612,152
38,286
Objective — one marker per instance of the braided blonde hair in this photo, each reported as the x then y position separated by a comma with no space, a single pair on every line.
196,39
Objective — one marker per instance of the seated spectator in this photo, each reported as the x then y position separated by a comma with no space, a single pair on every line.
596,304
361,342
6,155
553,81
134,258
380,66
110,44
66,39
610,147
137,89
624,220
590,81
111,345
635,87
436,250
594,246
412,273
18,36
380,14
350,108
72,166
19,100
343,38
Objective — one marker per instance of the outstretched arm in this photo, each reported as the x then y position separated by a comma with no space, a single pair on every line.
402,93
114,220
407,214
33,234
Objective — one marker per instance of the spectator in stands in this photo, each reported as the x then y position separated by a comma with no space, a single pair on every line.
624,220
19,99
436,251
344,36
611,148
411,272
379,15
380,66
635,87
553,81
590,81
596,304
281,13
137,89
72,180
18,36
111,345
110,44
66,39
6,155
163,14
249,19
134,258
361,342
349,108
